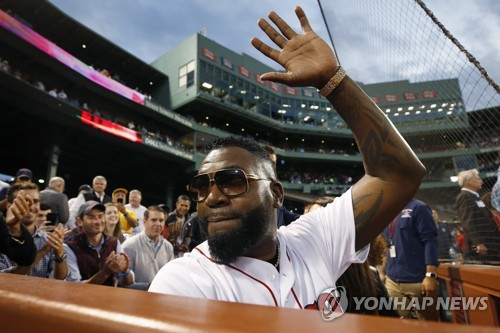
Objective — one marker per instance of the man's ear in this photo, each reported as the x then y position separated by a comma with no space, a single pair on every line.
78,221
278,194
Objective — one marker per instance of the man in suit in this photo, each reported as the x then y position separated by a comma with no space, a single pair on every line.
97,194
482,238
58,201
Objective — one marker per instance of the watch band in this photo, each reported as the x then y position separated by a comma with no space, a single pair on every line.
431,275
61,258
333,83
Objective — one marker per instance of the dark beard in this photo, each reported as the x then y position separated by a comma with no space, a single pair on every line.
226,248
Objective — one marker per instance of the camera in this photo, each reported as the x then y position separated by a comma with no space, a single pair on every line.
119,200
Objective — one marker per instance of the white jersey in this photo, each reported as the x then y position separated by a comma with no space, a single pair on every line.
314,251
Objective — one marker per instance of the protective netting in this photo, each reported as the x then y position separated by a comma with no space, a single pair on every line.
436,93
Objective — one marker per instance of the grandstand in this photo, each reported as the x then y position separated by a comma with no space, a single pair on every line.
147,126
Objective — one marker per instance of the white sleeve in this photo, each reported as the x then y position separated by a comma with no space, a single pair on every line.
130,249
328,234
73,211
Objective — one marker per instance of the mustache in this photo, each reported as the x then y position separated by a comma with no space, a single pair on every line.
219,214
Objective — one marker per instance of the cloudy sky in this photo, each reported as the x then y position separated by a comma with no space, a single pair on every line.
150,28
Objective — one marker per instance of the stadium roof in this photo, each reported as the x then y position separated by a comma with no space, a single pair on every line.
53,24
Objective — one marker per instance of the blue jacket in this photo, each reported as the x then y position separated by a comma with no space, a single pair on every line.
414,235
285,217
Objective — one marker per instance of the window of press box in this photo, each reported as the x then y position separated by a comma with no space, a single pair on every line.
186,75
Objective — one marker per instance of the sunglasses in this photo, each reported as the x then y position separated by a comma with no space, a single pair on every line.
231,182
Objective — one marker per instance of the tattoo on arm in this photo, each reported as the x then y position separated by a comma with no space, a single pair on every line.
377,144
363,214
374,140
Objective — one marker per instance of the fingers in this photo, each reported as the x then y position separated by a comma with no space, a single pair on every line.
275,36
304,22
276,77
56,238
47,228
111,256
54,242
21,205
265,49
125,255
282,25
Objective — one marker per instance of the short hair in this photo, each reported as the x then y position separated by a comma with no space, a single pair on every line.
248,144
54,181
135,192
154,208
96,178
183,197
270,150
16,187
465,176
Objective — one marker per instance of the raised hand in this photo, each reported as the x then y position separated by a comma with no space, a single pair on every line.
55,240
19,209
307,59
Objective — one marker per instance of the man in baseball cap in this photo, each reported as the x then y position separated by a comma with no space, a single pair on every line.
89,206
24,175
93,257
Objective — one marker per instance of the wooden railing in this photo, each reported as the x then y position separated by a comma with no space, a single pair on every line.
41,305
474,281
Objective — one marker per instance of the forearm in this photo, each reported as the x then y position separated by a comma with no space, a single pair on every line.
99,277
385,153
23,270
132,222
393,172
60,270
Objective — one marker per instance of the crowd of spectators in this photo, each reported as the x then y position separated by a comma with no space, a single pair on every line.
115,117
483,140
106,223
